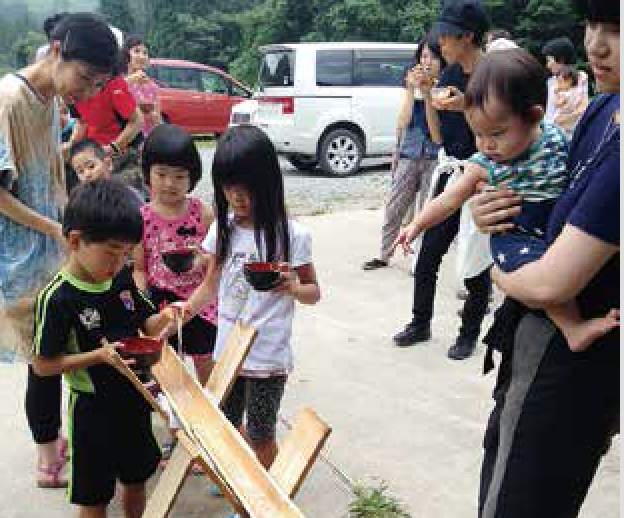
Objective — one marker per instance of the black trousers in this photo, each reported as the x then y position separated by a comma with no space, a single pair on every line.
43,406
555,412
435,243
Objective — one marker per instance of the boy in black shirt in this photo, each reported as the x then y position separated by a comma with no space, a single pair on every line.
80,315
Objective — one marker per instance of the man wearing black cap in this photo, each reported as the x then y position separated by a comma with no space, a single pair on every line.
460,30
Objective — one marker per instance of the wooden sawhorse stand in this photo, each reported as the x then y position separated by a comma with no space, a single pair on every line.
208,438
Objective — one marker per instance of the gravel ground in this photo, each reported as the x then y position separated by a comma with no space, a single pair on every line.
316,193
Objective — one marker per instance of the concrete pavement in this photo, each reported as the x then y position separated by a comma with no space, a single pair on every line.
410,417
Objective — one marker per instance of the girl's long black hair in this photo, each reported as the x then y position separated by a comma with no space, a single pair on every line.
245,157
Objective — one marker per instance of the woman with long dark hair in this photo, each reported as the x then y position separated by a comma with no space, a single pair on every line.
416,150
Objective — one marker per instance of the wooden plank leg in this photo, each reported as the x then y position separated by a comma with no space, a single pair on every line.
299,451
169,483
230,361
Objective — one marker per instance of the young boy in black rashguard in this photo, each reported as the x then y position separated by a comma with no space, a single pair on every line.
88,306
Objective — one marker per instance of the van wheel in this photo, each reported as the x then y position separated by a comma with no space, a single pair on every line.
303,163
341,152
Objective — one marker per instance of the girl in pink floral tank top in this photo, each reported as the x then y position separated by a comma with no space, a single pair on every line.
168,264
162,235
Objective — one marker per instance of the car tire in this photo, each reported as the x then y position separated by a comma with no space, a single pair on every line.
341,152
303,163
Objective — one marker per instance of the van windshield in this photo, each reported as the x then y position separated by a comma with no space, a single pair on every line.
277,69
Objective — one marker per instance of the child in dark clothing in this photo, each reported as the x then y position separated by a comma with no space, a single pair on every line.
80,315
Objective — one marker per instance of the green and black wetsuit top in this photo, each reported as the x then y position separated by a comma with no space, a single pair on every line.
73,316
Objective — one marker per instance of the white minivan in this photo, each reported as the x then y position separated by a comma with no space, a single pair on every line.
330,104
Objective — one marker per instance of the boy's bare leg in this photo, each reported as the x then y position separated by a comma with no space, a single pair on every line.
92,512
203,368
579,333
133,499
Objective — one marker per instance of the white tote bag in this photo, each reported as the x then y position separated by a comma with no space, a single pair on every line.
473,247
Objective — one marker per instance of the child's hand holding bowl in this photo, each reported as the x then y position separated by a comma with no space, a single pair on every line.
289,280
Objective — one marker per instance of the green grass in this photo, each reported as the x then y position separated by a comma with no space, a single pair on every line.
374,502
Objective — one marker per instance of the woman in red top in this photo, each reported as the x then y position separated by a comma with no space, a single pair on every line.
113,119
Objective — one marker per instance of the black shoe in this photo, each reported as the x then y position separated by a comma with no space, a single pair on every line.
373,264
463,348
412,335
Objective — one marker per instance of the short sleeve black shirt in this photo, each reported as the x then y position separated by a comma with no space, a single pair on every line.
457,137
73,317
592,201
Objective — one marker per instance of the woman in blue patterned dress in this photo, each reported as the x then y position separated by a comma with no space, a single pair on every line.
80,57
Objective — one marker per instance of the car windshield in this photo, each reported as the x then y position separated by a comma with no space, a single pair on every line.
277,69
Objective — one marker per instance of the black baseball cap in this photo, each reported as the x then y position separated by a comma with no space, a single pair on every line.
460,17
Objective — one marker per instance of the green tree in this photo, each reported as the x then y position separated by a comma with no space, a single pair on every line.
230,32
417,17
24,48
357,20
119,14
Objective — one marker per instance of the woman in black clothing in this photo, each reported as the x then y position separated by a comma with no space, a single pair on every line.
460,30
556,410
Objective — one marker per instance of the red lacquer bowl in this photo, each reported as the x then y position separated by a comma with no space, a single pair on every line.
144,351
263,276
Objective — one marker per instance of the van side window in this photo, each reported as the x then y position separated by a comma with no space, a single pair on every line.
277,69
381,67
334,67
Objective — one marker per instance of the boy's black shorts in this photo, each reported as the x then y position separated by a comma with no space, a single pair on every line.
108,443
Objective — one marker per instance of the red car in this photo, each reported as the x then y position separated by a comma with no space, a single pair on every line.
196,97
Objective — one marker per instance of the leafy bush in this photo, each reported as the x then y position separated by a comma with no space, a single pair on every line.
374,502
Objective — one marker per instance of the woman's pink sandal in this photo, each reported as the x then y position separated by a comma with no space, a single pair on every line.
49,477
